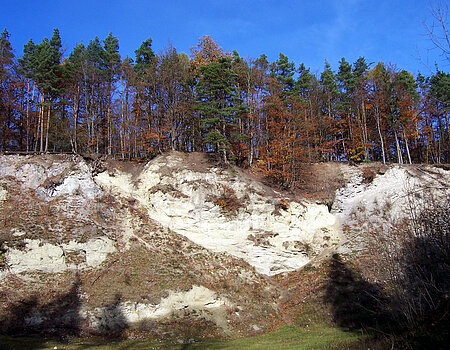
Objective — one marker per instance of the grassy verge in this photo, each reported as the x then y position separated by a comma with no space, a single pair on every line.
314,337
317,336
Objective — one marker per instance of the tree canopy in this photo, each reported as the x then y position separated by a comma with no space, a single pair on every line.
268,115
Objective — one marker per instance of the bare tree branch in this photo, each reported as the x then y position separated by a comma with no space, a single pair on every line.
438,31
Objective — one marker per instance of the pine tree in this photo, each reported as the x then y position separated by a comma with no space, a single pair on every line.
440,94
360,97
25,69
112,68
328,127
94,98
283,71
329,87
75,71
145,68
7,122
144,56
42,63
6,54
346,84
219,106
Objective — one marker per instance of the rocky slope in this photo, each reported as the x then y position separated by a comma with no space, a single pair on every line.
92,245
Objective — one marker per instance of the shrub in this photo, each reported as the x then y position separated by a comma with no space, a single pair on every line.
228,201
368,175
414,267
3,262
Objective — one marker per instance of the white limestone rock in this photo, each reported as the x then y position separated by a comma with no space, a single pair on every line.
3,194
49,258
204,301
190,211
389,197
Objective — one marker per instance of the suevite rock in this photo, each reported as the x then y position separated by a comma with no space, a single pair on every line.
390,196
46,257
174,237
203,301
395,194
3,194
198,301
51,176
185,201
193,202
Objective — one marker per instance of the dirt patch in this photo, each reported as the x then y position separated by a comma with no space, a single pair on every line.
55,221
133,168
228,201
179,161
197,161
169,189
319,182
262,239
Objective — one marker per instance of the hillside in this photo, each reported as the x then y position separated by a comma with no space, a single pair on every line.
182,248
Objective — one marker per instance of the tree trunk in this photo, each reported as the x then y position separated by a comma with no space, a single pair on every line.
41,120
407,148
399,151
379,133
28,116
365,137
108,120
48,125
75,116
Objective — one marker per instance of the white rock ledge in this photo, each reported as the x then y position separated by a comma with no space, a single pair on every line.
200,299
46,257
289,239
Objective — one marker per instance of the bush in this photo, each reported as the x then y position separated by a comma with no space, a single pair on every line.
3,262
416,283
425,261
368,175
228,201
403,290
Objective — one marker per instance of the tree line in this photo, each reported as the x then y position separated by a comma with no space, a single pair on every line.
253,112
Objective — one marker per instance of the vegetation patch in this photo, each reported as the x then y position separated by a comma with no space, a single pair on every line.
3,260
228,201
317,336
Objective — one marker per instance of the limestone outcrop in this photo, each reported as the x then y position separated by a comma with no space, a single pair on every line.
105,244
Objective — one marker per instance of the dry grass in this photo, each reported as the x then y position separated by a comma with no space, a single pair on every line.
319,181
228,201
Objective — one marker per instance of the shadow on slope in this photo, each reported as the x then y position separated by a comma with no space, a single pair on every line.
410,303
112,321
356,303
58,317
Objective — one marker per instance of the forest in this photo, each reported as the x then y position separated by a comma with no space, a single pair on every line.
254,113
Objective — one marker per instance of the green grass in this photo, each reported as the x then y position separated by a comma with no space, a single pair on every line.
314,337
318,336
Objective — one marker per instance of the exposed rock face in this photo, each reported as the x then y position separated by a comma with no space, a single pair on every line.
3,194
389,195
198,299
45,257
188,202
218,209
376,201
52,176
69,216
176,237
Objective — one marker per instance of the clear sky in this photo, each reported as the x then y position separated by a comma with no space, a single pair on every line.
308,31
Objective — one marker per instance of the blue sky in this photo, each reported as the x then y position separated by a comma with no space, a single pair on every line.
308,31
